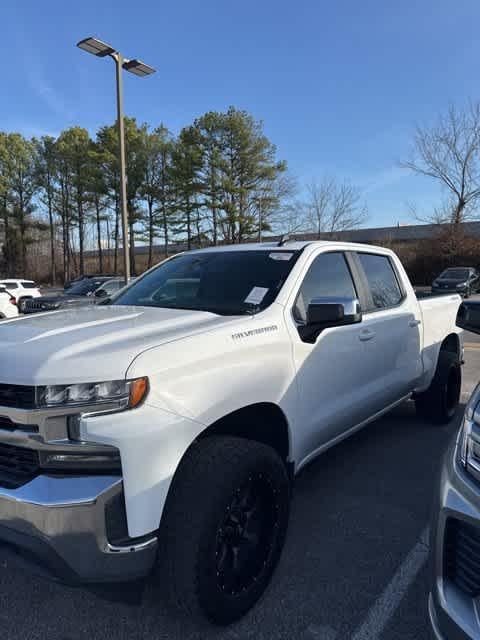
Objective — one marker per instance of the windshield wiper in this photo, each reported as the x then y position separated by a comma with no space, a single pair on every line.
219,311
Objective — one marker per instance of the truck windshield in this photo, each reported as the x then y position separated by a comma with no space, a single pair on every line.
222,282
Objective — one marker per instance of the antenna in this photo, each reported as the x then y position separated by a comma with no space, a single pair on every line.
284,238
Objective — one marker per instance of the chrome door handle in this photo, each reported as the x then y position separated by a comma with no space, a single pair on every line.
414,323
366,335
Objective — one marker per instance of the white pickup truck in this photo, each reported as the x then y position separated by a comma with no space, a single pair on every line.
165,427
8,304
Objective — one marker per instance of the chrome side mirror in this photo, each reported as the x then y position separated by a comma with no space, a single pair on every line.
327,312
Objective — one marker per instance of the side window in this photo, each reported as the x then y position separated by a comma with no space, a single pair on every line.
382,280
328,276
10,285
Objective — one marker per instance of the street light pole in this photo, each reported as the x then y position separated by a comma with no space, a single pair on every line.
138,68
121,155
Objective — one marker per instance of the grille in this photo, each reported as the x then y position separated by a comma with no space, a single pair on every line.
8,425
16,395
38,305
17,466
462,556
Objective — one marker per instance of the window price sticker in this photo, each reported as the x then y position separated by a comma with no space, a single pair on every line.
256,295
280,255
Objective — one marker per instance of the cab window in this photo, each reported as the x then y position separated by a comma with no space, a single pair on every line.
382,281
328,276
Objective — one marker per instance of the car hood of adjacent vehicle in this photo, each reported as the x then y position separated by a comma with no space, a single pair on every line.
65,299
90,344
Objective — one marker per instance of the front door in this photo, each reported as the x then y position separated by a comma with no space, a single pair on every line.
331,378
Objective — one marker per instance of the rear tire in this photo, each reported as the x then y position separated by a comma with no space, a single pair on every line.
223,527
438,404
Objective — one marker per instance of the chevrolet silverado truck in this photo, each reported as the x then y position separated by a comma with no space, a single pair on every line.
163,430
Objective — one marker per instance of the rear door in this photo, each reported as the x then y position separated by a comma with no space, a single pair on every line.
392,332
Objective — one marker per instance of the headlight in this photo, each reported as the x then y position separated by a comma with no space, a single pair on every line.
125,393
461,285
469,441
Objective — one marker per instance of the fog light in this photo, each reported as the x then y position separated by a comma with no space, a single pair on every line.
79,462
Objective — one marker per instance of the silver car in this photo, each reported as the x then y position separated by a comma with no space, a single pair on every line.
454,602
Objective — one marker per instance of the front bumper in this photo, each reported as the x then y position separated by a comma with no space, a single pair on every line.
66,515
454,615
60,524
71,525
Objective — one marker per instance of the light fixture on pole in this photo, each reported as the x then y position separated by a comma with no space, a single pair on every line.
102,50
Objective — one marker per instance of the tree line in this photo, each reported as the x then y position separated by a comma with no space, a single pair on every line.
218,181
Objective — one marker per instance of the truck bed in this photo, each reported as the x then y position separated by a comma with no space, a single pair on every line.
439,314
422,295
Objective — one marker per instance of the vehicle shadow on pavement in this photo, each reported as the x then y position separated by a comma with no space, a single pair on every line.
356,512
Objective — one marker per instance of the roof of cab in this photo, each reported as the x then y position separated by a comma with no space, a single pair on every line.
294,245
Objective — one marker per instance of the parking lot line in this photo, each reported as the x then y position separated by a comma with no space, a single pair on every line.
388,602
473,346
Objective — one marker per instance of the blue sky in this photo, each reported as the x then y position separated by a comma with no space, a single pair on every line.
339,85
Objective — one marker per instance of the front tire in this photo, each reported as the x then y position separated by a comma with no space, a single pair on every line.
439,403
21,304
224,527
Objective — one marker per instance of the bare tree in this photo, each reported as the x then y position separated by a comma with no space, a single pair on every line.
449,152
334,206
271,204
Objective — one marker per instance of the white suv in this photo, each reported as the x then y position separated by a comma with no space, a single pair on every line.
8,307
22,290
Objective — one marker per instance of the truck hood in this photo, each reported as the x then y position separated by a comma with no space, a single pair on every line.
90,344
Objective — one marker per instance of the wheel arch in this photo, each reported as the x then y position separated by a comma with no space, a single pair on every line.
263,422
452,344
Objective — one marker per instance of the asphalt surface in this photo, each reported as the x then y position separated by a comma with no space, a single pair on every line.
359,513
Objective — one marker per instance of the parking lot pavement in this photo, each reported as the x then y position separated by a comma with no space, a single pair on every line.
354,565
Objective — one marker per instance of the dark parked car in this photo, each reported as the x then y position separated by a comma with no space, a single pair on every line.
70,283
462,280
78,295
455,531
110,288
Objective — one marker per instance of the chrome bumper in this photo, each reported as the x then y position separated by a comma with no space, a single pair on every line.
61,523
453,614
